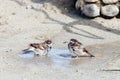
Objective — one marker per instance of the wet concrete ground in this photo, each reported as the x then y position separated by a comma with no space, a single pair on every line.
61,59
57,67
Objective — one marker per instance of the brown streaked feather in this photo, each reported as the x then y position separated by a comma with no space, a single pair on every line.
38,46
35,45
42,47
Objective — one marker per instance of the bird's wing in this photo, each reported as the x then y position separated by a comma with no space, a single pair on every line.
70,48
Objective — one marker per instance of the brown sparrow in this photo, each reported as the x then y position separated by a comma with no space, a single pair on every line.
40,48
76,48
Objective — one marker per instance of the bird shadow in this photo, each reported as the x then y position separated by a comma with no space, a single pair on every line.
79,19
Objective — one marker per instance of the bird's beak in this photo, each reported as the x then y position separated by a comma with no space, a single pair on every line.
65,42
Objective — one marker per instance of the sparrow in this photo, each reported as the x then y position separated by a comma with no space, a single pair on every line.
76,48
40,48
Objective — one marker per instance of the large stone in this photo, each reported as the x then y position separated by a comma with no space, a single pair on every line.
91,10
110,10
109,1
91,0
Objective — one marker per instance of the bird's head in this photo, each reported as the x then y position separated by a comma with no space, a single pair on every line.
48,41
73,40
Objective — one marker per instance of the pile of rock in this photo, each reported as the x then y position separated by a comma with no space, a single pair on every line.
94,8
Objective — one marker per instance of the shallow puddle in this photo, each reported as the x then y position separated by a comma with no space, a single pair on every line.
57,58
61,59
27,54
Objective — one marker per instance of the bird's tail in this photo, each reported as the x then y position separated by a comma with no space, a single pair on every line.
85,50
92,55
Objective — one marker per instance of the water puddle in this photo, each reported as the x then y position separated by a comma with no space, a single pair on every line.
54,53
57,58
61,59
27,54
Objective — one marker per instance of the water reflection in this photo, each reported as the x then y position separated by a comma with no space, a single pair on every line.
27,54
60,58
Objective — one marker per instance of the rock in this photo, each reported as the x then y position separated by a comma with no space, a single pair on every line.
109,1
91,10
91,0
79,4
110,10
